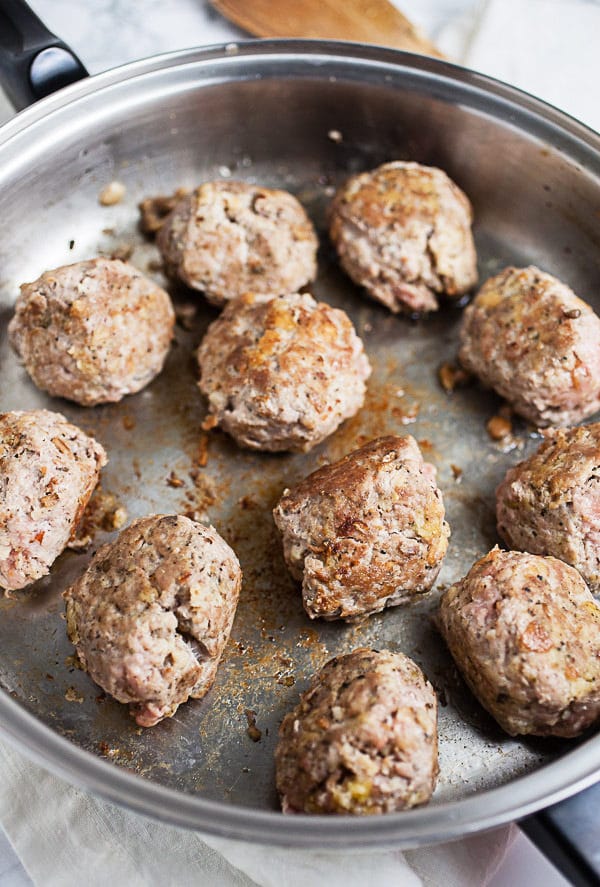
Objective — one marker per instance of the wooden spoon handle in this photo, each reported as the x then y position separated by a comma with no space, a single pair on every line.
365,21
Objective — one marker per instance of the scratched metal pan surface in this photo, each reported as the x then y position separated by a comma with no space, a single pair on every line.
265,112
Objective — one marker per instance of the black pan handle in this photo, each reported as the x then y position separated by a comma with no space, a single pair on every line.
33,61
569,835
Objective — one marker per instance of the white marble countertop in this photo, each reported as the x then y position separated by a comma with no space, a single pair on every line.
105,33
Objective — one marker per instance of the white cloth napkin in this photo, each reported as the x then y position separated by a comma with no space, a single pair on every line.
63,836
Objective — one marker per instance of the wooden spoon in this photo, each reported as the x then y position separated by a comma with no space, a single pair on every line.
365,21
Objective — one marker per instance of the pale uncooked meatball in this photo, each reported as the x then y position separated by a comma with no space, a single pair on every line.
48,471
550,503
228,238
282,373
152,613
524,630
403,232
92,332
530,338
366,532
362,740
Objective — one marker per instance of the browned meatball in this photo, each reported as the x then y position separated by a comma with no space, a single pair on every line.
403,231
48,470
152,613
92,332
550,503
228,238
366,532
281,373
524,631
362,740
529,337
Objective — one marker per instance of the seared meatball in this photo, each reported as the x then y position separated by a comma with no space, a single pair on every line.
363,738
48,470
281,373
366,532
152,613
524,631
92,332
230,237
529,337
550,503
403,232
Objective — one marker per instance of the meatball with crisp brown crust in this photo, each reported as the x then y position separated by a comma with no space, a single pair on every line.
530,338
152,613
366,532
403,232
48,471
92,332
362,740
228,238
524,631
281,373
550,503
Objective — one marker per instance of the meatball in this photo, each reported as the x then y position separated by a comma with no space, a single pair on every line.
48,470
362,740
550,503
530,338
281,373
403,232
152,613
92,332
366,532
524,631
231,237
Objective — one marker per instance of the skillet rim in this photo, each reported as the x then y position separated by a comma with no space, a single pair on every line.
550,783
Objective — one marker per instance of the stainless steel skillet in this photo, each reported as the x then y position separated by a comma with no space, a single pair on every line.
274,112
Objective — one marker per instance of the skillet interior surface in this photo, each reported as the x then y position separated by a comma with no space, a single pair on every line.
268,116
